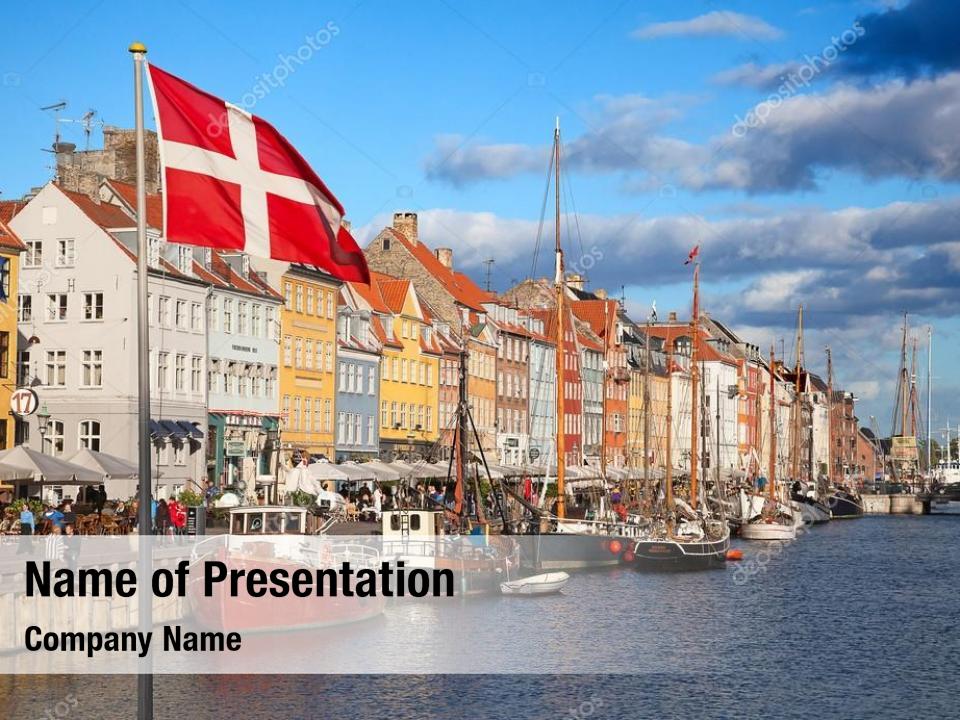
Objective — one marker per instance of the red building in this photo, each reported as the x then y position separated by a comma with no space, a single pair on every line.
572,384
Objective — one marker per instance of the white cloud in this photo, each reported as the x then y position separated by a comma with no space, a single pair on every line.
717,22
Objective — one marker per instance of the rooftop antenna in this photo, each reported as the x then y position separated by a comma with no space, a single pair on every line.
623,297
489,263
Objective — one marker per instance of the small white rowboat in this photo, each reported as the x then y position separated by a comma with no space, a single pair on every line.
544,584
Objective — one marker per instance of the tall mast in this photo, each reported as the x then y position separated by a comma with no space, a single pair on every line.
913,390
797,399
559,282
646,408
929,396
716,460
902,389
772,468
694,390
603,391
829,417
668,470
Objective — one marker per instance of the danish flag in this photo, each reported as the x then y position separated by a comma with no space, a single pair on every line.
232,181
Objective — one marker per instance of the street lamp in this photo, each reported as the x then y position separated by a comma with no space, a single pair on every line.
43,423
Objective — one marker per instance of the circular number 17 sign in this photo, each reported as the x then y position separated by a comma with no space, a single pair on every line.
24,401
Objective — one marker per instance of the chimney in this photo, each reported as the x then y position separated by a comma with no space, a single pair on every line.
576,281
445,256
406,223
601,293
672,317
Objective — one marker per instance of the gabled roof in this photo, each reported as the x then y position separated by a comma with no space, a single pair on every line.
600,315
8,238
128,194
108,217
461,287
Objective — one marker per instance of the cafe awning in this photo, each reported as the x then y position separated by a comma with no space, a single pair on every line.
38,469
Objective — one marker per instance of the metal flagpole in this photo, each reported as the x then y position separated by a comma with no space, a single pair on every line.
144,519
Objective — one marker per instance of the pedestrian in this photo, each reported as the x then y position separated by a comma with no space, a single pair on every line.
28,523
99,499
162,519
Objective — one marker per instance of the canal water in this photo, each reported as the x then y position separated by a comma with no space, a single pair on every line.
857,619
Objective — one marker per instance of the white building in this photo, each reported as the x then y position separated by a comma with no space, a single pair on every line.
78,335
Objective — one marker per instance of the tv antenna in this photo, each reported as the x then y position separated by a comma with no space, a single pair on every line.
489,263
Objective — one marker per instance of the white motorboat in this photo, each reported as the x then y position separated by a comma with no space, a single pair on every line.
773,530
544,584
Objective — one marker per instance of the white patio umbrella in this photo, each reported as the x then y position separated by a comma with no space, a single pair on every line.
356,472
43,469
110,465
325,470
384,472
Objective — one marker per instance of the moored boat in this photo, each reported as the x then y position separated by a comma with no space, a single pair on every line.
543,584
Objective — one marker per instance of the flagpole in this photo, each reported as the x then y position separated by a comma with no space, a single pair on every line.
144,519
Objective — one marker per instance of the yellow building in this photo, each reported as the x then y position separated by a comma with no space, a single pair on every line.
635,415
409,375
10,249
308,357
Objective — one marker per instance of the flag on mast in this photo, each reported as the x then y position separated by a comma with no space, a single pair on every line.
694,254
232,181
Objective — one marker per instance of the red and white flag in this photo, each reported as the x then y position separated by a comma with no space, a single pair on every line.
694,254
231,181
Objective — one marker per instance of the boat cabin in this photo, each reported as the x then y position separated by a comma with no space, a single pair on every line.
267,520
412,523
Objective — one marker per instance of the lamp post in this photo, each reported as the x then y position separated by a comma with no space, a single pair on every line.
43,424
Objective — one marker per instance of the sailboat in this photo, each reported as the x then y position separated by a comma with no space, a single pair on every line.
775,520
685,535
566,543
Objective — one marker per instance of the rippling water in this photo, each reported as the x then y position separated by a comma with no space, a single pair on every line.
857,619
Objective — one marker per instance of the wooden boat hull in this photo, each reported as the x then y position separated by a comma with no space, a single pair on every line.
813,512
569,551
668,554
845,506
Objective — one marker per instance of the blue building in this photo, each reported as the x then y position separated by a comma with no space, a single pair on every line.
243,315
358,381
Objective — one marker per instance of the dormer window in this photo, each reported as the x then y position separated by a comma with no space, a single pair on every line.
386,243
153,252
184,259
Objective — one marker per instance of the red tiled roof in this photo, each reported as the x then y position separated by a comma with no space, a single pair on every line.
8,238
128,194
9,208
462,288
394,292
600,315
370,293
705,351
107,216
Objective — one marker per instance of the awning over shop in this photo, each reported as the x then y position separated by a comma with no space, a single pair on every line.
176,429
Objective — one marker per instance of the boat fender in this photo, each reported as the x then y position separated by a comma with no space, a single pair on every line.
734,555
628,556
615,547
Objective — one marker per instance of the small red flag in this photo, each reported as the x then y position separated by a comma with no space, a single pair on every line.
694,254
232,181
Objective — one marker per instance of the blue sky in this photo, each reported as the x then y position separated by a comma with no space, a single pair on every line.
843,197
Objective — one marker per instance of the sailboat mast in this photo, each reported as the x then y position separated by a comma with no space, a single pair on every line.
559,282
668,470
603,390
772,468
797,400
716,460
902,389
829,417
929,397
694,389
646,409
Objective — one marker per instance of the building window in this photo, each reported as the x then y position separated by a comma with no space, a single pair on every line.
327,416
287,350
180,314
241,318
227,315
299,356
4,354
93,306
196,374
163,312
23,367
56,307
269,330
299,298
179,453
89,434
383,413
371,380
393,414
66,254
53,442
316,415
341,427
57,368
310,301
256,320
308,354
91,369
328,359
196,317
285,409
163,367
296,413
33,258
329,306
180,373
429,418
185,260
25,308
